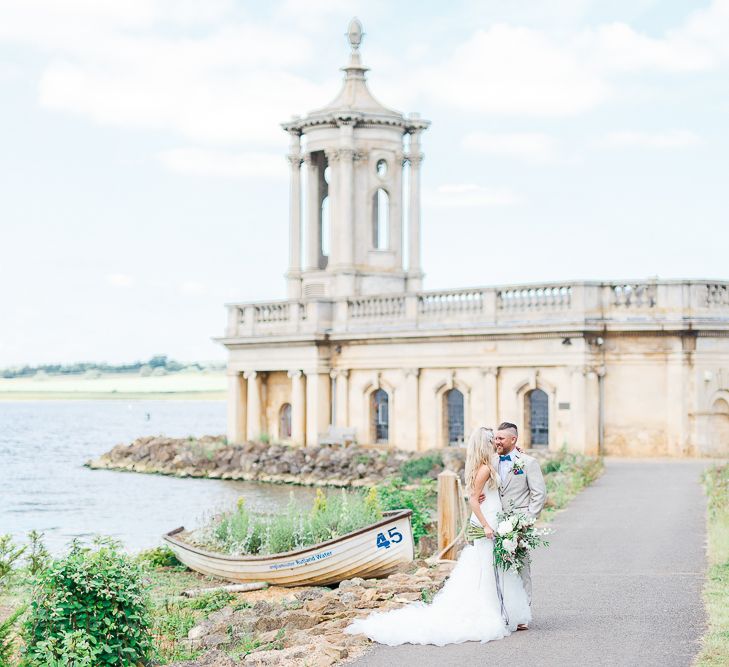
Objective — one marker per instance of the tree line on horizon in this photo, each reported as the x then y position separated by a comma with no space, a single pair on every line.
79,368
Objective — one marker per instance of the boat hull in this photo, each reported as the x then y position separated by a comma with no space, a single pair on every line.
374,551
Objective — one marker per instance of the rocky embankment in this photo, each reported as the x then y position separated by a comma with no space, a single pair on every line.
307,627
324,465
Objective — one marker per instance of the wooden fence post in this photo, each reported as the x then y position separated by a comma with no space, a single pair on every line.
449,509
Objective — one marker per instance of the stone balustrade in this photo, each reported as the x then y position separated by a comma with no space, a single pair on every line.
534,297
376,307
638,303
452,302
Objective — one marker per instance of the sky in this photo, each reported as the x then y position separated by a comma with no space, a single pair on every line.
143,180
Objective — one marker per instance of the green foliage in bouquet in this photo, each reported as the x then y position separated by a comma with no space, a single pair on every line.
514,537
88,608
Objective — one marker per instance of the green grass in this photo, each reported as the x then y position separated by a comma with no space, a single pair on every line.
715,648
420,467
238,531
565,475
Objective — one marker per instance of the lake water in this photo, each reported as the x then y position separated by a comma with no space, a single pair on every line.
44,485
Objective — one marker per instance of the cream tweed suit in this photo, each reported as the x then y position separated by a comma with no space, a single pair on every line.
524,491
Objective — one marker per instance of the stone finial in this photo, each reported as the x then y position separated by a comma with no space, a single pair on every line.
354,34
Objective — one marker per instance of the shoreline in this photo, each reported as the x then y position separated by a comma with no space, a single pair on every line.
111,396
321,466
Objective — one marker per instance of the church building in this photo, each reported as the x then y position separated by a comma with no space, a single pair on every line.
360,352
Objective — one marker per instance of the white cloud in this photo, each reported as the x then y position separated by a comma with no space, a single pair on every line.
658,140
515,70
121,280
619,47
219,163
208,103
532,147
468,195
512,70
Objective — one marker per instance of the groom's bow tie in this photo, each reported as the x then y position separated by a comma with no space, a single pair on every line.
505,458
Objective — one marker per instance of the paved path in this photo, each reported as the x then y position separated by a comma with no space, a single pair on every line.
619,585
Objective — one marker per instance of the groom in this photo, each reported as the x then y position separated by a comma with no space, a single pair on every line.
522,485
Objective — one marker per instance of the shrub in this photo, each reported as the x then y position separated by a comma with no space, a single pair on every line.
210,602
393,496
6,636
420,467
88,606
158,557
9,555
70,649
330,516
38,558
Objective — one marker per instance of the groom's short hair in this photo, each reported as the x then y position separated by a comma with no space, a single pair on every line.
506,426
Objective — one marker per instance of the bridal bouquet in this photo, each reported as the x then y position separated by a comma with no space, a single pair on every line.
514,537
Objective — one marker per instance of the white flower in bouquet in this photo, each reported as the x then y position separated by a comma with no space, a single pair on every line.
505,527
509,545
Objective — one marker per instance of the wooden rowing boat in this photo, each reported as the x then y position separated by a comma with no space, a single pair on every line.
374,551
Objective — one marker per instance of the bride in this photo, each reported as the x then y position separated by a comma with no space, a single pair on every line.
468,607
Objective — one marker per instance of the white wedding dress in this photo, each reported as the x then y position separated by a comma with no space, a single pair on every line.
467,608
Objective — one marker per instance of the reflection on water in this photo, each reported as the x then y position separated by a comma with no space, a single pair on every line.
44,486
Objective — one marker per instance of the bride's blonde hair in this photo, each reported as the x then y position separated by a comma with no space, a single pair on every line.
480,451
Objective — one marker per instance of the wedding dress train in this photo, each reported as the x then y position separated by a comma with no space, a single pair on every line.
467,608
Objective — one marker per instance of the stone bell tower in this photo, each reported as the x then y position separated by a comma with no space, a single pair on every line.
350,208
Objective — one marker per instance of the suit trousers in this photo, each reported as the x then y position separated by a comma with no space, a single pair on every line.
526,578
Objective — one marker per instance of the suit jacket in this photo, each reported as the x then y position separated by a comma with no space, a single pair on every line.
526,491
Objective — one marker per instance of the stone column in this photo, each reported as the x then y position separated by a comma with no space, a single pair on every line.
491,396
592,410
342,398
298,407
254,405
318,406
294,279
407,419
236,408
313,230
415,270
578,419
345,193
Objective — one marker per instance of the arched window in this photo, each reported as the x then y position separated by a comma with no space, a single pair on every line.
380,416
380,219
537,417
284,421
454,417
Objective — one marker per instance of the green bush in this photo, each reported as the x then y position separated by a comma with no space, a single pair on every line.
38,557
566,474
210,602
333,515
6,636
70,649
89,608
158,557
394,496
420,467
9,555
552,465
